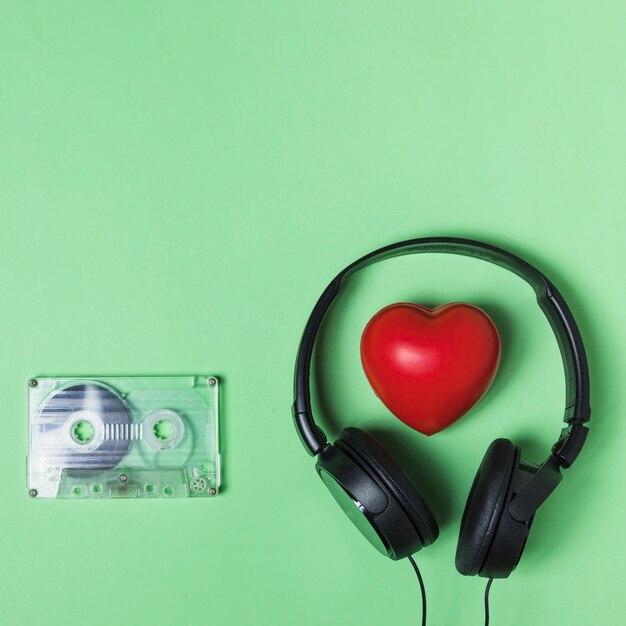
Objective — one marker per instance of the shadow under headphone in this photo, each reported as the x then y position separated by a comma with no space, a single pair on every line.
378,496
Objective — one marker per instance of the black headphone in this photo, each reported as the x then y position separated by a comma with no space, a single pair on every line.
379,497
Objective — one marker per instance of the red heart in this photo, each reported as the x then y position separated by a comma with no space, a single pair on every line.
430,366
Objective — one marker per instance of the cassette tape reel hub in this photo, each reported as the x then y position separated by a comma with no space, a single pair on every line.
164,429
124,437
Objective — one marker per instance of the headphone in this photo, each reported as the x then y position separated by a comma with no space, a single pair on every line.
379,497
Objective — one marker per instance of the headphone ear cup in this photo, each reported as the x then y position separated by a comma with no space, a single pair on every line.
383,465
367,502
488,497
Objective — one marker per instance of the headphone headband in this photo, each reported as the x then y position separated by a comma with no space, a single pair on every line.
577,409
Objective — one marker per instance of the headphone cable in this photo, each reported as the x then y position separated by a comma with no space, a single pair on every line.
422,589
487,588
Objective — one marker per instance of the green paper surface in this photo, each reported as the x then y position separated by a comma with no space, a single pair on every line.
178,183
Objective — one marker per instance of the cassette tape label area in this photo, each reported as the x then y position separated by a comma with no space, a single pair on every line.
145,437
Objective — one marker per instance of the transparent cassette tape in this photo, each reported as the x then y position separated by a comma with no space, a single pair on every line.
140,437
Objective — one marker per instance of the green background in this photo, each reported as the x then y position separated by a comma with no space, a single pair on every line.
180,180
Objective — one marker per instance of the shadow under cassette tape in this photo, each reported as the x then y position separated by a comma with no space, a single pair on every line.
124,437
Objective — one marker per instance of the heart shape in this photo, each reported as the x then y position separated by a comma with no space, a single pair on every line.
430,366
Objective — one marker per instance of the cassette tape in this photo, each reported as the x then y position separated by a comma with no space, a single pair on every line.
141,437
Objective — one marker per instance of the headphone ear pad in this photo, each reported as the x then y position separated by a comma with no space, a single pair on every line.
487,499
379,461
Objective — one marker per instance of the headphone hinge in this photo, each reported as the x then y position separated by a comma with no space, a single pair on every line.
570,443
311,435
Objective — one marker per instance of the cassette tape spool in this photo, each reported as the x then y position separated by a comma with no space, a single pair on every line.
124,437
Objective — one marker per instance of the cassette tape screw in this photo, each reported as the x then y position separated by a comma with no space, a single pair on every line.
212,382
33,382
123,478
212,491
32,493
